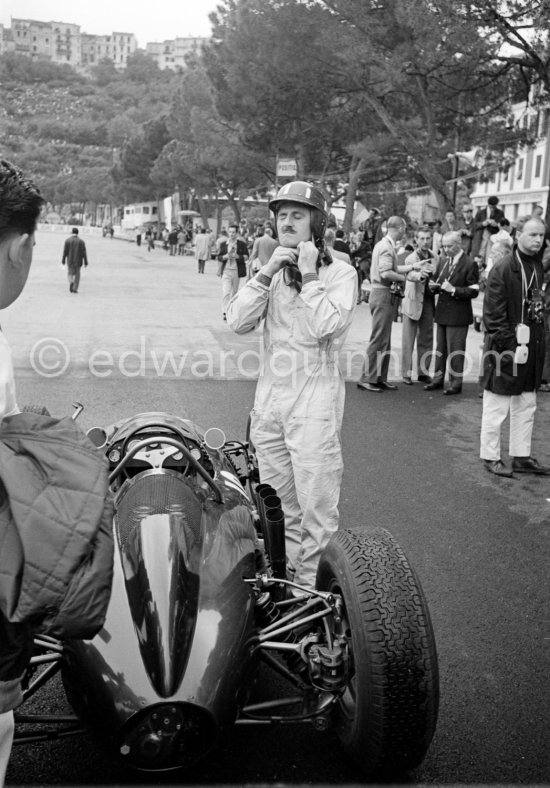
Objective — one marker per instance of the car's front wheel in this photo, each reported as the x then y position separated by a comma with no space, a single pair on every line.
386,717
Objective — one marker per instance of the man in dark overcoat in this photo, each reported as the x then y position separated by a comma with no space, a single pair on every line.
74,254
513,358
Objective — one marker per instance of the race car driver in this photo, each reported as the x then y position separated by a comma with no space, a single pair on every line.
307,299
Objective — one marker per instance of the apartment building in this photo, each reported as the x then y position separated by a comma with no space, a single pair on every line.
116,47
63,42
6,40
57,41
171,54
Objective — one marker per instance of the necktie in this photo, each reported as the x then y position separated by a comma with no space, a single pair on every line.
452,265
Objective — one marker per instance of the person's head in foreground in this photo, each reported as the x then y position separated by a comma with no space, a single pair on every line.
20,205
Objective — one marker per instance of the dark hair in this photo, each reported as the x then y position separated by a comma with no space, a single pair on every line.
492,200
339,233
236,226
424,228
75,230
20,201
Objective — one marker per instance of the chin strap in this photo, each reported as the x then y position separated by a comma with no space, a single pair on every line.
293,276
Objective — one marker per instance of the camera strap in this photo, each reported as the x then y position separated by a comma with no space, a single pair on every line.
526,286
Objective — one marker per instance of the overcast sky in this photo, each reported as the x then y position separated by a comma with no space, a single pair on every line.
151,21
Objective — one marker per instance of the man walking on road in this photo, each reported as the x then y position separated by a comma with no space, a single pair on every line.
74,254
202,249
233,256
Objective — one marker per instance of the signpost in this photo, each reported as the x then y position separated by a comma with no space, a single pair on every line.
286,168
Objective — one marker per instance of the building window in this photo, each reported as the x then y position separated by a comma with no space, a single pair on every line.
505,176
538,166
519,174
145,209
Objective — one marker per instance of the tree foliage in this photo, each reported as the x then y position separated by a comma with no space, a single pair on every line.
366,95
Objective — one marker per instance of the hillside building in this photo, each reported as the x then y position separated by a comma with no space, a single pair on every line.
6,40
55,41
171,54
116,47
64,43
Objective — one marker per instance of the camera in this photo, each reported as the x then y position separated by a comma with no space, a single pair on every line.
397,290
535,310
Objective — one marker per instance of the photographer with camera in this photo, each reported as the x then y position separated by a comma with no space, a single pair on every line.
307,299
387,290
514,350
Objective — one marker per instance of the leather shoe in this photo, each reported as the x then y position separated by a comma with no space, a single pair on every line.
407,382
498,468
424,379
368,387
383,384
529,465
450,391
433,386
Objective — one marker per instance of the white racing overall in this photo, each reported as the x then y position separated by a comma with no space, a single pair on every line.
299,401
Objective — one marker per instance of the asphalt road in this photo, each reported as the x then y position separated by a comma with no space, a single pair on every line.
479,544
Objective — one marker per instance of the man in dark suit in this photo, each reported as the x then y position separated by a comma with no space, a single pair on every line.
486,223
74,254
456,279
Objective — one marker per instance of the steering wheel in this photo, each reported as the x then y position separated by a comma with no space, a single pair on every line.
164,451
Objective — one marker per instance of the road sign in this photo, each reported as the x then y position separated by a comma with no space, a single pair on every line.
286,168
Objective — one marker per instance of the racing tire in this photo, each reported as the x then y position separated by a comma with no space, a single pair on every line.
386,717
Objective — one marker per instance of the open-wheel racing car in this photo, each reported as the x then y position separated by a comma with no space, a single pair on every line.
201,600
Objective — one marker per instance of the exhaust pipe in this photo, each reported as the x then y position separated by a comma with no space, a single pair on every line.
273,528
